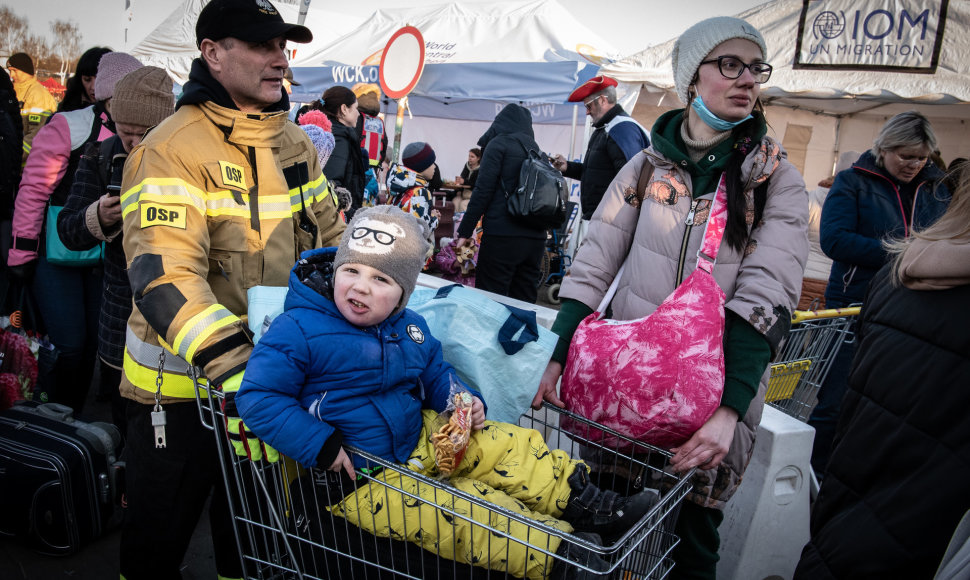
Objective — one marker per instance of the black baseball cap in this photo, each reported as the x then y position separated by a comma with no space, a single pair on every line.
247,20
288,75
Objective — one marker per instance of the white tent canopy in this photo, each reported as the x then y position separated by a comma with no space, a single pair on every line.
478,58
819,113
171,45
486,55
533,31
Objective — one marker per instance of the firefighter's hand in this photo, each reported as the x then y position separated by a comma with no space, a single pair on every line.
344,199
244,443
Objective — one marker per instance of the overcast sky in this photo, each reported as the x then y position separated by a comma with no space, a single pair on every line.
630,25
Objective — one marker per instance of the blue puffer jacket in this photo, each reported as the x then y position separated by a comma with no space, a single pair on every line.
369,384
862,209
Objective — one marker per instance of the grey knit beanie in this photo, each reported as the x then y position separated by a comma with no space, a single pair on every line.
700,39
143,97
112,68
386,238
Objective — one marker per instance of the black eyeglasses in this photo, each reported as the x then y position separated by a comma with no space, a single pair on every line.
732,67
381,237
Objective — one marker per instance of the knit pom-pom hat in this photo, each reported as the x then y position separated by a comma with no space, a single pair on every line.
322,140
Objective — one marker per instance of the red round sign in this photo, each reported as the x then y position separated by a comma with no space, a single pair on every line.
402,62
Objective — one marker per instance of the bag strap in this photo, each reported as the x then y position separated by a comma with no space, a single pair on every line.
714,230
646,172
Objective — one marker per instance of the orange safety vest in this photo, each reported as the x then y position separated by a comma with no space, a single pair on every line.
372,139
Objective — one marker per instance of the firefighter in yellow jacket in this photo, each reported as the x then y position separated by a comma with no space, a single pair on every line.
221,197
36,103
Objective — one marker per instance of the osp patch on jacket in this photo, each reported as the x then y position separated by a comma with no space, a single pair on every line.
232,175
156,214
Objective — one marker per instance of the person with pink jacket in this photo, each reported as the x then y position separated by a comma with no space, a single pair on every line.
68,297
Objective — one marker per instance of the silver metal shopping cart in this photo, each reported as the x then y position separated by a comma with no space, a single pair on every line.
284,529
804,360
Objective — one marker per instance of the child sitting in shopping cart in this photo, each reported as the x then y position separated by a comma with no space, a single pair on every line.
347,363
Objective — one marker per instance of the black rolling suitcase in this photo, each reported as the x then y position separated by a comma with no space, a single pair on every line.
58,476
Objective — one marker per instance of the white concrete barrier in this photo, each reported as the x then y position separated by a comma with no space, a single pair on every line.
766,522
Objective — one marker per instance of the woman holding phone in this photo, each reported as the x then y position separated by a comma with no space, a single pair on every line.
92,214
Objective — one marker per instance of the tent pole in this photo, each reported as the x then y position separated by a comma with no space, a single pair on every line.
838,139
398,125
572,135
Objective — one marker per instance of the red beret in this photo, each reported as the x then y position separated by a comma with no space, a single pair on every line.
592,86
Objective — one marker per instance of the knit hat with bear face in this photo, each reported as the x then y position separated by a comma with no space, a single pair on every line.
387,239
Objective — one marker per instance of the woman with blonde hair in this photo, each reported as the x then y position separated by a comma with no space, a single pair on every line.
896,486
891,191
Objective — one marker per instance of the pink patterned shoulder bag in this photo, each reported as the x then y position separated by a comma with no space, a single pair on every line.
656,379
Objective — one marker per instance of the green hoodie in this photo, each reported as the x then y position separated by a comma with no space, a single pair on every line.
666,139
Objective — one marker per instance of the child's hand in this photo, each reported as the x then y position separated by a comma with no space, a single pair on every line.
478,414
343,462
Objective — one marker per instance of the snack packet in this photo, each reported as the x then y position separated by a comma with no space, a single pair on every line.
451,439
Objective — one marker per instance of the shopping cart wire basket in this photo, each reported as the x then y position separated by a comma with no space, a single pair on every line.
803,361
285,527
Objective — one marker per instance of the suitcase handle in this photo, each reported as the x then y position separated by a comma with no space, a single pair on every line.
56,411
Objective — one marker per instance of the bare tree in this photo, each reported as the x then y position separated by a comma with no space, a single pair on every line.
66,45
14,32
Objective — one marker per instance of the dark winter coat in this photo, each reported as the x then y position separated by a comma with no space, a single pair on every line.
613,142
79,229
863,208
345,168
896,485
11,146
504,147
366,385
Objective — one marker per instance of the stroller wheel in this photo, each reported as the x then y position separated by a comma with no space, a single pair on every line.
552,293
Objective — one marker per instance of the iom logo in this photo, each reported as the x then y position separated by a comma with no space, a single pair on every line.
829,25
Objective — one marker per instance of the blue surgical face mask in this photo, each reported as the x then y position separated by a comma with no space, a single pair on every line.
712,120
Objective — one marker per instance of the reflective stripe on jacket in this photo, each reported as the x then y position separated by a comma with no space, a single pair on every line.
36,107
215,201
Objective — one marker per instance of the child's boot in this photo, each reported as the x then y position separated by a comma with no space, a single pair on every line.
573,553
606,513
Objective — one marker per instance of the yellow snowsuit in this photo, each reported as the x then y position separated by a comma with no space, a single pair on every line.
505,465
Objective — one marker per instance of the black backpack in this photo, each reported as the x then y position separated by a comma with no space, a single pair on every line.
539,201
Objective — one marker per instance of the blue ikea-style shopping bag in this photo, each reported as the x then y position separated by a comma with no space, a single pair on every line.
499,349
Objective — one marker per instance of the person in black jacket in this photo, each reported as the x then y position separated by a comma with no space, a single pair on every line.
510,255
896,485
11,138
615,140
92,213
890,192
345,168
